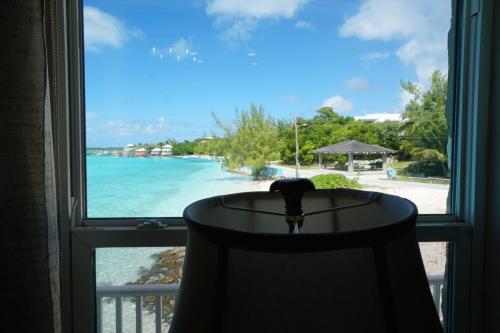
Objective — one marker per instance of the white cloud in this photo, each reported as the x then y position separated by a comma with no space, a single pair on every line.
90,115
237,19
236,30
404,98
374,56
120,128
426,56
385,19
301,24
256,8
104,30
421,26
338,103
358,84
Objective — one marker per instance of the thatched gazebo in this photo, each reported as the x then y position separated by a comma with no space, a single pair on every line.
351,148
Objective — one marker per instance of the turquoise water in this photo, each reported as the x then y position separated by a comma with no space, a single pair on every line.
154,187
146,187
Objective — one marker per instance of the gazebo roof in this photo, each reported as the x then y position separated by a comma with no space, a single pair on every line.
353,146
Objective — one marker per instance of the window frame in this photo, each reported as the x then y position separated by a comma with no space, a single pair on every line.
471,46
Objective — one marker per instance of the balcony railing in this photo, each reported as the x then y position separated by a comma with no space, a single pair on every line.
436,282
139,292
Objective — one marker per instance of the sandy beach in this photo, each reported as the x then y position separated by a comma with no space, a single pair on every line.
429,199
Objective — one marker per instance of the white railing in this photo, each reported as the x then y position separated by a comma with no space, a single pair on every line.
138,292
436,283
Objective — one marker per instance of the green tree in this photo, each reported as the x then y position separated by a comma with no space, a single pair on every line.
183,148
325,128
251,141
428,162
424,122
388,134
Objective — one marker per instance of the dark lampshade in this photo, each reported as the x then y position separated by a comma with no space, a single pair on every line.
353,266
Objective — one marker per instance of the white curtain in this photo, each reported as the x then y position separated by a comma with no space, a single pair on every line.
29,268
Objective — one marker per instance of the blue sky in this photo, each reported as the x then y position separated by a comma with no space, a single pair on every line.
157,69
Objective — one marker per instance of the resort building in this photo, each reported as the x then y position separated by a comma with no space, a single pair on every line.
141,152
155,152
128,150
379,117
166,150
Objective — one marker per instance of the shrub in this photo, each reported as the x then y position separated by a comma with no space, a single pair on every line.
334,181
427,163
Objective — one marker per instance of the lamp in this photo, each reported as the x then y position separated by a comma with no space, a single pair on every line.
346,261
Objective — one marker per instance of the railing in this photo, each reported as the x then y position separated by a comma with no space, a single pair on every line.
436,283
138,292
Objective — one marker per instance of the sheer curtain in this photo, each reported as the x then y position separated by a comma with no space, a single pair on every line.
29,267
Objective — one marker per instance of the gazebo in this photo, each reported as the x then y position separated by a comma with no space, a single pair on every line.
351,148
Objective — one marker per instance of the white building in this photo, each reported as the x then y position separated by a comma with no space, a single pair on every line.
166,150
155,152
379,117
128,150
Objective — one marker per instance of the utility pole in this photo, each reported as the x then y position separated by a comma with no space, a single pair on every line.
297,164
296,149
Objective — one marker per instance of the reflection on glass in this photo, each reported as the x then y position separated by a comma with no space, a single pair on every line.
191,99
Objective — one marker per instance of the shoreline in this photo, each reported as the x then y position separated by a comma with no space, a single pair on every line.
166,194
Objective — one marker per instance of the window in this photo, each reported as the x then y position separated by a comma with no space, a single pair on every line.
163,82
123,276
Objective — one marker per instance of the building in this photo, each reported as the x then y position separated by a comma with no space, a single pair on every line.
155,152
166,150
141,152
379,117
128,150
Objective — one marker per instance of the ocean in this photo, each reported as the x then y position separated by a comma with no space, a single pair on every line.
146,187
154,187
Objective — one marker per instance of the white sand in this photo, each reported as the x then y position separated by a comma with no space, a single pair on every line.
429,199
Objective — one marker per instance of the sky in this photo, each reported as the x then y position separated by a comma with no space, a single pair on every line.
158,69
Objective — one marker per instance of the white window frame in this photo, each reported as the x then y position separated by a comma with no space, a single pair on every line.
464,228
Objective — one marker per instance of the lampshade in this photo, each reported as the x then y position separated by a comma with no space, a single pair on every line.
349,263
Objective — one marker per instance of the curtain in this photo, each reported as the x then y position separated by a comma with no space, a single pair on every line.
29,268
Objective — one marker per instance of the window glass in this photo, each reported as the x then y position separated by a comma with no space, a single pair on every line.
121,277
121,274
190,99
434,255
